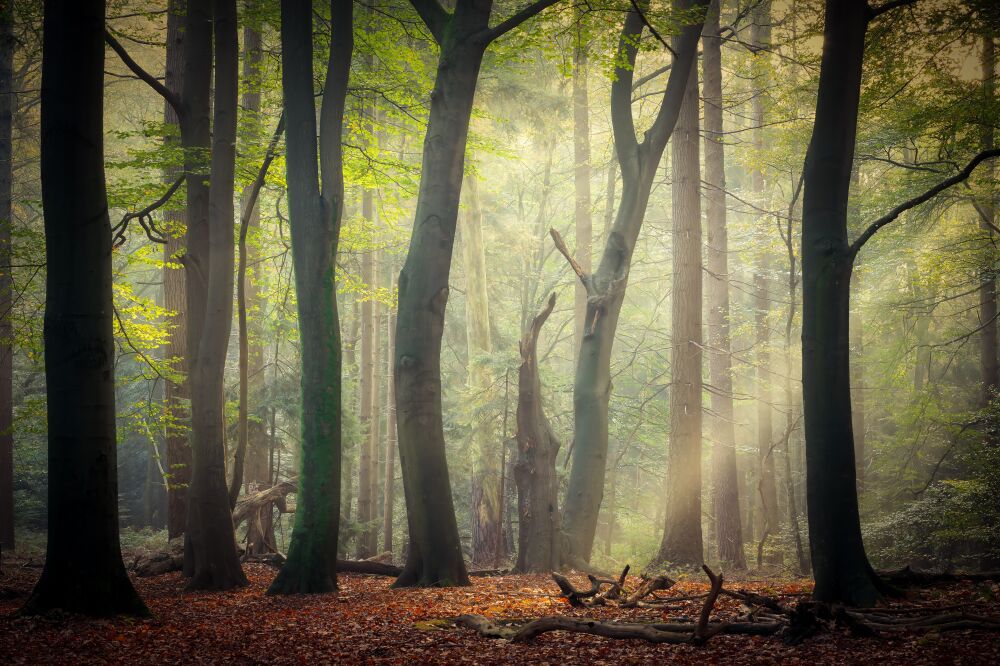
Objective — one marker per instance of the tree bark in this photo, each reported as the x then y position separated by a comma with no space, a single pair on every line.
315,213
725,487
840,566
581,173
389,481
682,537
7,106
83,570
214,564
176,394
535,469
487,539
606,287
366,387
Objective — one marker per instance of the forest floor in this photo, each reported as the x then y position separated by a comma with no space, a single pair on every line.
367,622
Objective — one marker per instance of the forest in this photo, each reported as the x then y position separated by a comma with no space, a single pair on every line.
499,331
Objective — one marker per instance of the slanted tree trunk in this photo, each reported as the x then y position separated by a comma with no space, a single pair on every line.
434,556
176,393
581,173
840,566
315,214
7,106
535,470
725,486
83,570
487,536
606,286
988,360
682,538
214,562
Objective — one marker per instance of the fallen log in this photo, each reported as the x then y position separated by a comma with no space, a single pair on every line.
252,503
907,576
370,567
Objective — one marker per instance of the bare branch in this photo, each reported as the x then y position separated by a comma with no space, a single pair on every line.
564,251
173,99
434,16
874,12
145,217
517,19
961,176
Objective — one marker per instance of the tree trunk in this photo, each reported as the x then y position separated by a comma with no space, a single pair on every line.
989,364
535,469
366,385
214,564
83,570
389,482
725,487
840,566
682,539
487,541
7,106
857,384
581,173
315,215
176,394
606,287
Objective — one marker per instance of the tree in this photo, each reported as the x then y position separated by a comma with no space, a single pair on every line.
435,554
725,487
682,539
7,106
315,210
582,218
840,564
989,362
83,570
606,286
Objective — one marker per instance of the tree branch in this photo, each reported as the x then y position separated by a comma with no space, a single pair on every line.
145,217
517,19
173,99
564,251
874,12
434,16
659,37
961,176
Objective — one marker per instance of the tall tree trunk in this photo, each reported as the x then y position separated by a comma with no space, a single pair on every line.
725,487
857,384
581,173
682,538
389,481
840,565
366,384
487,541
7,106
176,394
989,363
215,564
606,286
535,469
315,214
83,570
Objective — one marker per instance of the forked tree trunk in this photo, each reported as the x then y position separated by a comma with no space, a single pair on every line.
176,394
7,106
83,570
682,535
840,565
315,215
215,564
487,535
535,469
725,486
606,286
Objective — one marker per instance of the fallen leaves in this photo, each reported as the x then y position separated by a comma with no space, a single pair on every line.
366,622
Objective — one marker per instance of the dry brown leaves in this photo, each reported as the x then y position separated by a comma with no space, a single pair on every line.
368,622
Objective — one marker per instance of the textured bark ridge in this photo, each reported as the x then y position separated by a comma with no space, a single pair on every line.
535,470
606,286
83,570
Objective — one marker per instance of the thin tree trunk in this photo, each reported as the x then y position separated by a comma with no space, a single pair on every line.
83,570
366,383
389,482
682,536
210,533
176,394
989,363
7,106
487,542
581,173
725,487
316,213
